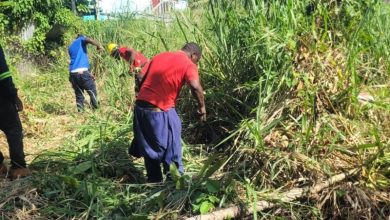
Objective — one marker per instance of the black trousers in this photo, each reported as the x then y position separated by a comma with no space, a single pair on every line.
153,170
81,82
12,127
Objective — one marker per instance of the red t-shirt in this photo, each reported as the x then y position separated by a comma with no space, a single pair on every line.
139,60
166,75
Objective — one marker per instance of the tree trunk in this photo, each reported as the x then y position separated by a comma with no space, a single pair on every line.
97,10
293,194
74,7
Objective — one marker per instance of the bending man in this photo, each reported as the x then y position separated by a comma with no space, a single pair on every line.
135,59
80,77
157,127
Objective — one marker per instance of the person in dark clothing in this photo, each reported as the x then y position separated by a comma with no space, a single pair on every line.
80,77
157,126
10,123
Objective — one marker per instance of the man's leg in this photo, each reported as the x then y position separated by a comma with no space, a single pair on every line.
153,170
139,145
78,90
173,153
90,87
10,124
151,136
93,96
14,136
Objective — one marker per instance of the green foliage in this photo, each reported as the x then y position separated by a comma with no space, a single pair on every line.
43,14
65,17
280,79
35,44
20,12
204,202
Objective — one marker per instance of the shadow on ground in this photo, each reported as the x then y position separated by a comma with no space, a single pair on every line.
95,182
109,161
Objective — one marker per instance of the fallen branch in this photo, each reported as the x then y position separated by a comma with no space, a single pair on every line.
235,211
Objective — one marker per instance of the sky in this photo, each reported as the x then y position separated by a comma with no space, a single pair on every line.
115,5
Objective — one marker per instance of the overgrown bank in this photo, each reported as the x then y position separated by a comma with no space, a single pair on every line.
282,82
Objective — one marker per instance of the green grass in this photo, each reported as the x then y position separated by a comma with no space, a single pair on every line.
281,81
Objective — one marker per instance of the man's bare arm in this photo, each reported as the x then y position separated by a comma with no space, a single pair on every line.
197,92
131,55
95,43
138,79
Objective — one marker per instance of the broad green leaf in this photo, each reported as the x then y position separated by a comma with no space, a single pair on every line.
200,197
205,207
213,199
82,167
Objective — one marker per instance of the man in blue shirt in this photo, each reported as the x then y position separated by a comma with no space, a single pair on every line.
10,123
80,77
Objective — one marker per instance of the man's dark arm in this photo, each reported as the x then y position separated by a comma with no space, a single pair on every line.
139,77
7,87
95,43
197,92
131,54
98,47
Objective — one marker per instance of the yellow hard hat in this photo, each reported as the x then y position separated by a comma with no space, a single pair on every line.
111,47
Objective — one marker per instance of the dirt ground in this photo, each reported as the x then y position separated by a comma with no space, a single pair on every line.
43,132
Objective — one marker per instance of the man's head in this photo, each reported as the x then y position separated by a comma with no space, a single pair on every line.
193,50
113,50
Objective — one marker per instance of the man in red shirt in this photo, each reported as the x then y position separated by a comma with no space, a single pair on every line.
135,59
157,127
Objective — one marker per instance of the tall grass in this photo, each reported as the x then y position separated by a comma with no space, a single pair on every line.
284,77
281,81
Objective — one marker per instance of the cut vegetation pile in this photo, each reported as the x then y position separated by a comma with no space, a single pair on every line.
287,134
